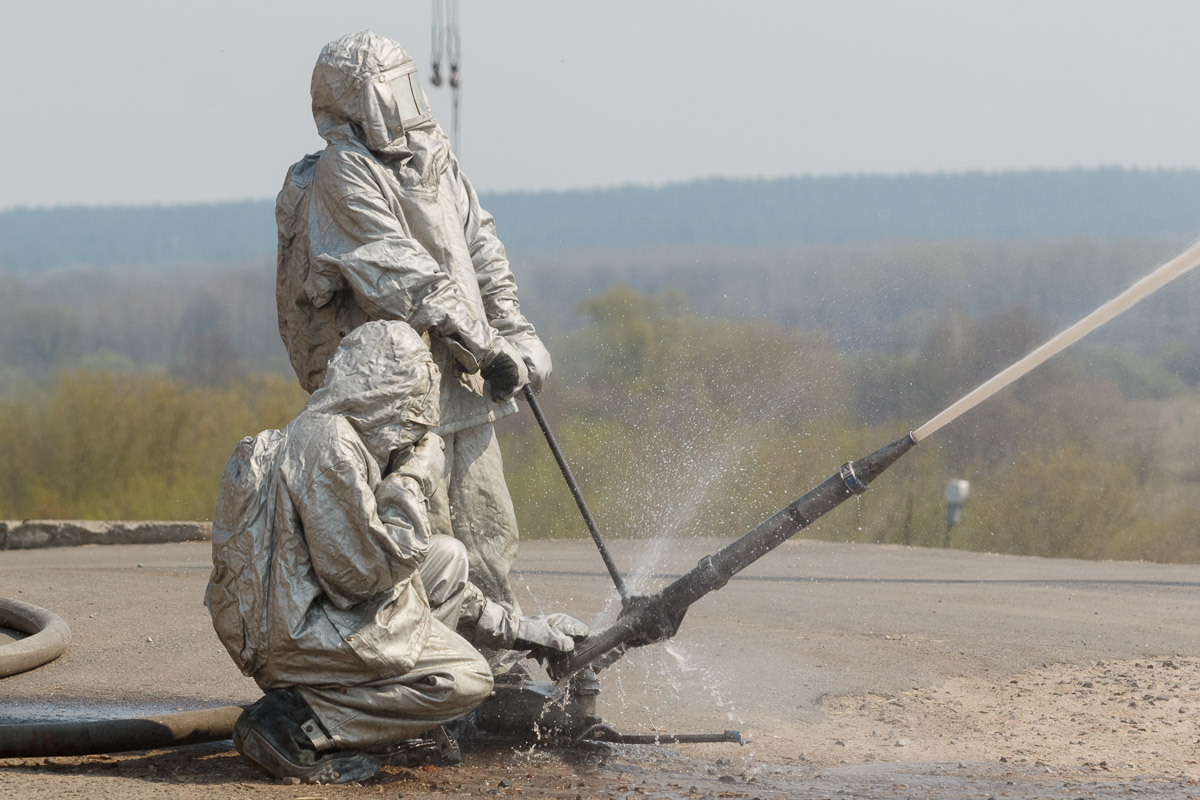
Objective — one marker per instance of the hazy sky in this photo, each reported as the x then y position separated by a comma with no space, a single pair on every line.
164,102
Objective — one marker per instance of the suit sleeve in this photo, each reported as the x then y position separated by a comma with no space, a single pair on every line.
355,554
358,243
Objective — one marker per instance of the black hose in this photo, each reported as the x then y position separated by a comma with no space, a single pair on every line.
47,640
28,740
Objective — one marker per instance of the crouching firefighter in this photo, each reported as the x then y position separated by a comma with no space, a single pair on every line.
328,587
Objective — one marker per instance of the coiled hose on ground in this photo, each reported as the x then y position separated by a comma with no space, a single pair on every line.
48,636
47,639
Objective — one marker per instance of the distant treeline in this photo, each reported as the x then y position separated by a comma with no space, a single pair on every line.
1034,205
32,240
218,321
1102,204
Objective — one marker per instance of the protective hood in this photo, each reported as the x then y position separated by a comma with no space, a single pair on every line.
382,379
365,86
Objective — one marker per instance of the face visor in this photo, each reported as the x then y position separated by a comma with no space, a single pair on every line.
393,104
411,103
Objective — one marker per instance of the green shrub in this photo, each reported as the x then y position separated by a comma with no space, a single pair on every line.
119,446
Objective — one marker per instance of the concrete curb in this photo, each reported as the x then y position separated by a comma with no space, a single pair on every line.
31,533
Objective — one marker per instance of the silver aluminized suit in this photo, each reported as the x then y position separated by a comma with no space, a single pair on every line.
321,566
390,228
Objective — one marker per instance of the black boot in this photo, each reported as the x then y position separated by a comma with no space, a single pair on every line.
281,736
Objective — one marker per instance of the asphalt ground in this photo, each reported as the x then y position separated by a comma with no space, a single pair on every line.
810,622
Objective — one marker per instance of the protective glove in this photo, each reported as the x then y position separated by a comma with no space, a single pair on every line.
468,340
485,623
461,353
552,632
537,361
504,371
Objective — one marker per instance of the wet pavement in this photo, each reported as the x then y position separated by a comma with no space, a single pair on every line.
765,655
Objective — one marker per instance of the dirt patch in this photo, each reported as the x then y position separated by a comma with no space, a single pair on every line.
1117,718
217,770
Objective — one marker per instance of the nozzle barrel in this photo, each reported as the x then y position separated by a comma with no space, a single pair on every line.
852,478
657,617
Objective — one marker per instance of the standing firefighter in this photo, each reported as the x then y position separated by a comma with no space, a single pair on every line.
383,224
330,589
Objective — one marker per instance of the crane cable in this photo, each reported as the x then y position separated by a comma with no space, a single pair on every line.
447,45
